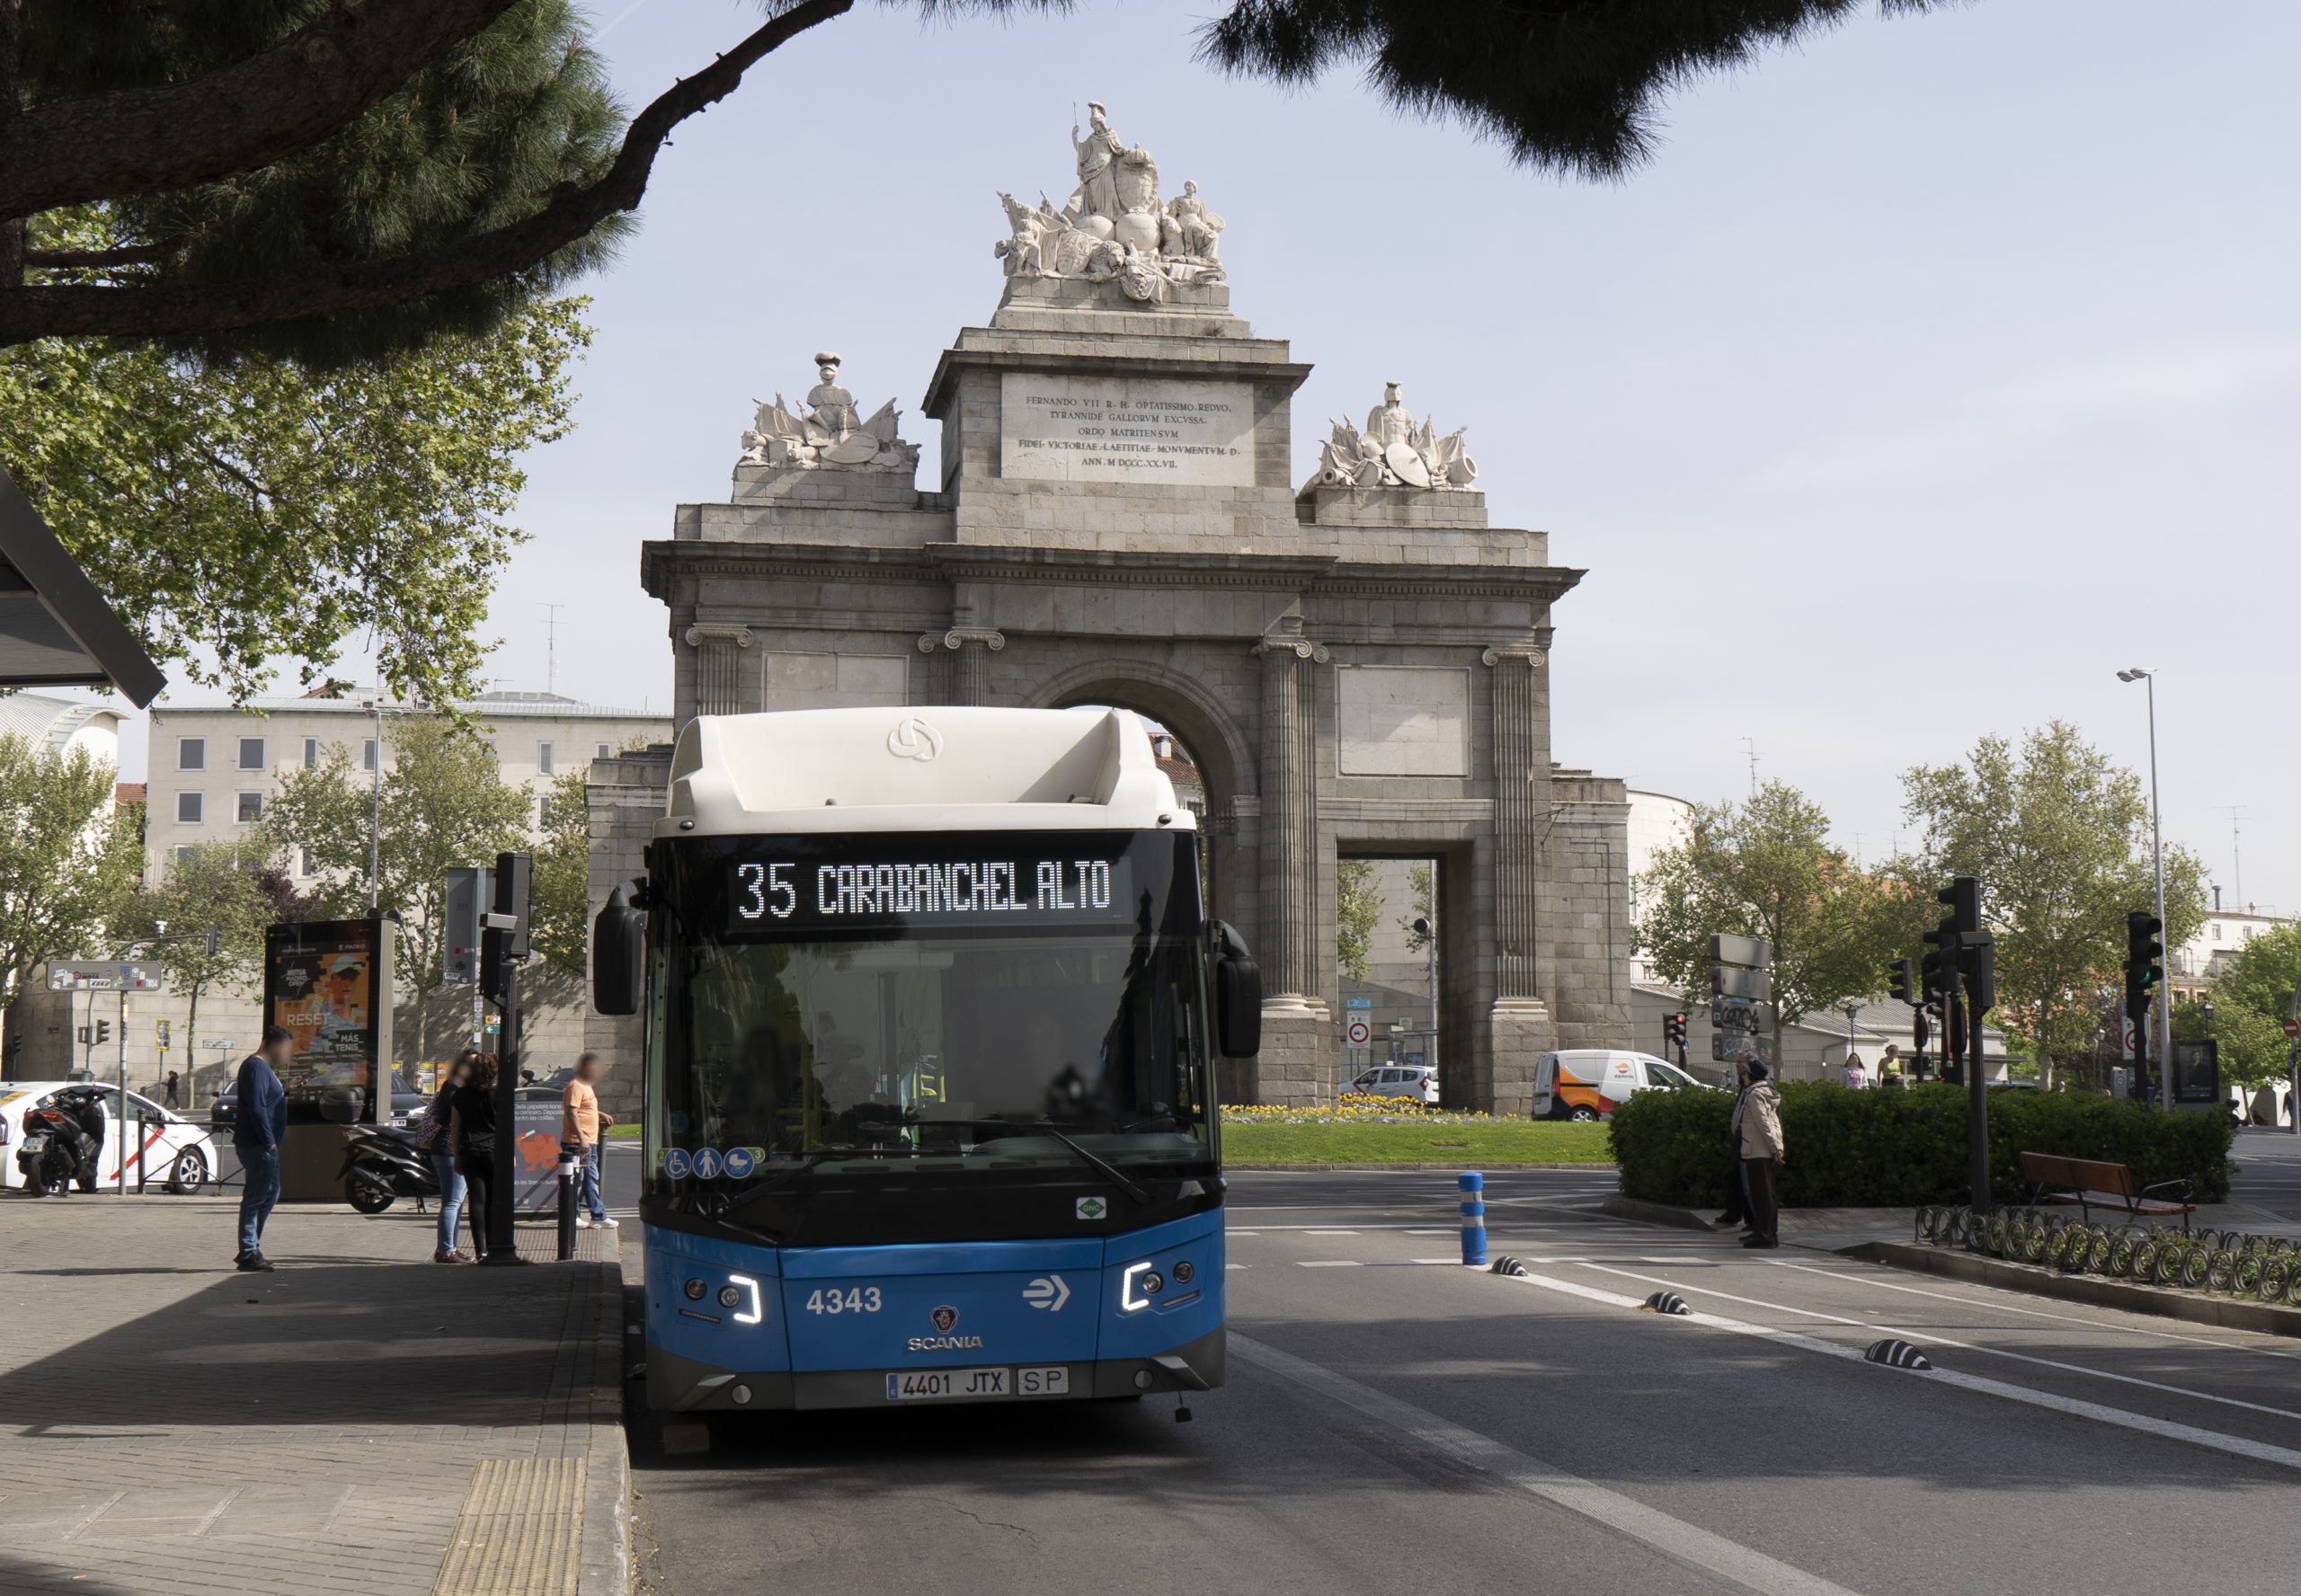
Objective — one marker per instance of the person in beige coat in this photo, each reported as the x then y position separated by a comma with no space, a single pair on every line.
1761,1119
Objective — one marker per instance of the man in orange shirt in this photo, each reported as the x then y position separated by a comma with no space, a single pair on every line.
581,1121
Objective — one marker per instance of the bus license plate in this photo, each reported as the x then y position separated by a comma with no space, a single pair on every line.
933,1385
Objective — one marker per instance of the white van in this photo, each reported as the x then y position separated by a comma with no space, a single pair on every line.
1586,1082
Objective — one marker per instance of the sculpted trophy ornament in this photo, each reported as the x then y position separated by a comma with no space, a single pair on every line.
827,431
1392,451
1114,229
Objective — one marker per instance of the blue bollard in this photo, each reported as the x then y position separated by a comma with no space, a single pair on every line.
1474,1187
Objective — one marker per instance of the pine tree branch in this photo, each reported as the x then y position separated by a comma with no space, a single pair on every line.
181,310
103,260
238,119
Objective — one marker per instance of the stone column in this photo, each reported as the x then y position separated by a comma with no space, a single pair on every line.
721,652
966,651
1296,1066
1520,1026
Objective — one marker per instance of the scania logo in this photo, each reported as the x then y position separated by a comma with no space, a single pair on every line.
914,739
945,1317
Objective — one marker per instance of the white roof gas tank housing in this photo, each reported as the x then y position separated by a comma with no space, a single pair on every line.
919,770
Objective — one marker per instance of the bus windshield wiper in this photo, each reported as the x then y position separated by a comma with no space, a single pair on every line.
1095,1161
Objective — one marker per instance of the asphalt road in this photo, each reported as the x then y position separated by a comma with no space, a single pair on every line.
1396,1423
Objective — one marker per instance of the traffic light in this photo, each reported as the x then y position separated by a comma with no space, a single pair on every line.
1963,895
1938,968
2145,965
1673,1030
103,1032
1977,963
1901,976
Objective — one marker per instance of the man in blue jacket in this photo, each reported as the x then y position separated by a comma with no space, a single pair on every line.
259,1123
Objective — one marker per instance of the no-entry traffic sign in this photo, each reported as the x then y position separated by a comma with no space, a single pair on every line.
2293,1027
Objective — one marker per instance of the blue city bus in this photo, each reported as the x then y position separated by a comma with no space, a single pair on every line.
931,1006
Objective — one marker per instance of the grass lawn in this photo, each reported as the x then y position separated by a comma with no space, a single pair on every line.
1507,1141
622,1133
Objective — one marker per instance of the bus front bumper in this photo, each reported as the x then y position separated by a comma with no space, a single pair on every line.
685,1384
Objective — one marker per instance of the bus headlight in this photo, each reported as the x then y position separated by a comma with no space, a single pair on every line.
1135,1286
743,1288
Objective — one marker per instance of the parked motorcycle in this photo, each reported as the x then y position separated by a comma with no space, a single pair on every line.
382,1165
61,1143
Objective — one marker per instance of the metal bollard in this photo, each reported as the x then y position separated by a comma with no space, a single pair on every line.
568,1168
1473,1185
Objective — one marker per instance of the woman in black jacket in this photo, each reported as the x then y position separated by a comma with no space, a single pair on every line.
472,1131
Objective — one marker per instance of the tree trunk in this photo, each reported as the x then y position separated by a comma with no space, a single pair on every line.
191,1029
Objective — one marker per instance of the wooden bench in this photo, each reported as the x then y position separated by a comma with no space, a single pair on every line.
2092,1182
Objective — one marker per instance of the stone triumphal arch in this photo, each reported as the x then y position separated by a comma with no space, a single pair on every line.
1360,664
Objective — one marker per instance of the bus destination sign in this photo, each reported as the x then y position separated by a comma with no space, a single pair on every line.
778,896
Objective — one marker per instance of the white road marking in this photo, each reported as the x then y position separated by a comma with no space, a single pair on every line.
2034,1313
1316,1230
2290,1458
1435,1261
1328,1263
1685,1544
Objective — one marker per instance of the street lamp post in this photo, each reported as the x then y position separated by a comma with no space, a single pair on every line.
2162,1019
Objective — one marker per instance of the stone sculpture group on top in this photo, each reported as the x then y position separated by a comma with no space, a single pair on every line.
827,431
1114,228
1393,451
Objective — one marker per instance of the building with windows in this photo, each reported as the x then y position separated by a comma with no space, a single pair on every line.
2192,966
214,768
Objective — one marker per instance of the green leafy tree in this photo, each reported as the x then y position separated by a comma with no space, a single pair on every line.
217,884
68,857
244,507
348,169
1421,889
2060,838
1766,868
560,892
1357,910
2251,999
444,805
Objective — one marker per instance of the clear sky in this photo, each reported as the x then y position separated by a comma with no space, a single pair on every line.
1929,374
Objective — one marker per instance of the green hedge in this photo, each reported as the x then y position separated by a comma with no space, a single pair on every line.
1883,1148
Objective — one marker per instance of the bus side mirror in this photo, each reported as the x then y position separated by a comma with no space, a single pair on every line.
1237,995
618,955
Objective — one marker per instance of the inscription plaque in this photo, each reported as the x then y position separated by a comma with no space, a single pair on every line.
1099,428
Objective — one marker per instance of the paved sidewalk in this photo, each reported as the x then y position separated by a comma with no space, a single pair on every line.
362,1421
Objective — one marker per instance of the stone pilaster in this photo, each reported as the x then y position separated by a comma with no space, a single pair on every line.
1297,1061
966,653
1519,1027
722,655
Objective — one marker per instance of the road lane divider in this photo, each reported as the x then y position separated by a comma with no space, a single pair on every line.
2074,1407
1937,1339
1687,1545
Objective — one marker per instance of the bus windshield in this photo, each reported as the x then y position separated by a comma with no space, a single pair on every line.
890,1004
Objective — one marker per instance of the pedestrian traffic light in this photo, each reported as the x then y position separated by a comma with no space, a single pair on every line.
1901,977
103,1032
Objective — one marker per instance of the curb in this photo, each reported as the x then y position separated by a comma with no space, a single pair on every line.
2225,1312
1656,1213
606,1568
1404,1164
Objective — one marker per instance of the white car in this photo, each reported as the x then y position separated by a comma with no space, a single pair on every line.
175,1152
1399,1080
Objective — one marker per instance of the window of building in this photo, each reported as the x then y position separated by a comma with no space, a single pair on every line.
192,753
251,808
311,865
183,851
251,753
543,758
2217,936
601,751
368,755
311,753
187,808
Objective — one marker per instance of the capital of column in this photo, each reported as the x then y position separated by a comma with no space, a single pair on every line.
704,632
1302,648
1533,653
958,637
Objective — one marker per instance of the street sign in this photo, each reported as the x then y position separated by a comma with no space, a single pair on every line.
1757,986
1359,1033
1752,953
101,975
2293,1027
1358,1003
2125,1036
1738,1013
160,1034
